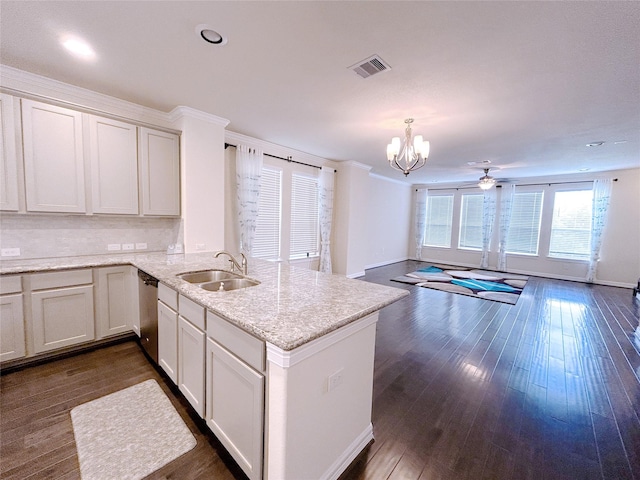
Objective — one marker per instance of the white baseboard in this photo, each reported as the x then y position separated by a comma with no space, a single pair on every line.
353,450
386,262
356,275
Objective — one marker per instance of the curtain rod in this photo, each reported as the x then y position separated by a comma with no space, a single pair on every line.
517,185
288,159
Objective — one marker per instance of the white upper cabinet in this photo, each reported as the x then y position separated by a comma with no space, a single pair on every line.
159,172
114,166
8,159
53,158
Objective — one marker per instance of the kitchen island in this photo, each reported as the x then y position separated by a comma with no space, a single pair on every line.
318,335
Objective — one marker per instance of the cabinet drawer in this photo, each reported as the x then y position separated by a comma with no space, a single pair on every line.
10,284
168,296
191,311
69,278
247,347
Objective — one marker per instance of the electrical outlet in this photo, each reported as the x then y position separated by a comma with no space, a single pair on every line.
112,247
10,252
141,246
200,247
335,380
127,246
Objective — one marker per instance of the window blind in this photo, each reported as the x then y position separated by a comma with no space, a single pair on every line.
266,243
524,228
471,221
439,220
304,217
571,224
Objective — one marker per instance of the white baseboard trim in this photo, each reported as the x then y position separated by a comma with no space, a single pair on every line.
386,262
353,450
356,275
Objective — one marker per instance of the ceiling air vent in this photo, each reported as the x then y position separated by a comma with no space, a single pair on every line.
370,66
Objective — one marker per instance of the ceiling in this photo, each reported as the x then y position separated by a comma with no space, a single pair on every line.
525,85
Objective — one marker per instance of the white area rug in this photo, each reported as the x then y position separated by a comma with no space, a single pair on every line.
129,434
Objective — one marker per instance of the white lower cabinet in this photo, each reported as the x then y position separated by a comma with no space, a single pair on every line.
12,344
62,317
191,364
116,309
235,396
168,341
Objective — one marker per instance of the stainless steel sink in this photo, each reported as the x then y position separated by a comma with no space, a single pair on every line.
230,284
208,276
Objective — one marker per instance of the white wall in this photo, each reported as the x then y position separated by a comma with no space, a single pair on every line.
389,219
351,203
202,178
620,254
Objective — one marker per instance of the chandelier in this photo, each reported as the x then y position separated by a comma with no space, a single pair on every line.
486,182
413,155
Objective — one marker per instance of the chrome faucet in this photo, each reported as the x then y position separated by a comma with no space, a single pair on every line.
234,263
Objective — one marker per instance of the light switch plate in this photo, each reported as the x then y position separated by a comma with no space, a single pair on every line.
112,247
127,246
10,252
141,246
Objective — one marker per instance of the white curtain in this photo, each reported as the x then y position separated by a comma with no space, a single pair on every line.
248,171
325,204
420,220
488,218
601,200
506,204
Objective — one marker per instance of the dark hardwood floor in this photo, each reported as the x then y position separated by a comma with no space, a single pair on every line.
464,388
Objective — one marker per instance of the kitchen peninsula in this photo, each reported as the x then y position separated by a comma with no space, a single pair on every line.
300,345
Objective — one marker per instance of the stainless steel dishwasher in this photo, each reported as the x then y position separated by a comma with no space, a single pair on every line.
148,291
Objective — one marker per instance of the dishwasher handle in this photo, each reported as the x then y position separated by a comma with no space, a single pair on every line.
148,279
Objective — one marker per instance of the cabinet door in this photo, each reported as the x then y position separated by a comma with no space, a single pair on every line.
8,156
159,172
168,341
62,317
114,166
53,158
11,327
115,307
235,407
191,359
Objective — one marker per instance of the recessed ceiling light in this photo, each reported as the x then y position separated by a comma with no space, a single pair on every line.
595,144
210,35
78,47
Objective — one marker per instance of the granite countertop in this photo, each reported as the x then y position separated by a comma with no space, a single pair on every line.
290,307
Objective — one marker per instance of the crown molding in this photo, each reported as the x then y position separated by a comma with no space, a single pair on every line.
181,112
21,83
235,138
352,163
387,179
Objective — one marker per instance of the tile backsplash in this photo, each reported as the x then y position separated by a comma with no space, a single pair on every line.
44,236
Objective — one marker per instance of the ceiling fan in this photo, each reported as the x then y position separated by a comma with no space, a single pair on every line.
486,181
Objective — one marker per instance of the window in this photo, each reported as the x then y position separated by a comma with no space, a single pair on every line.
439,220
471,221
571,224
524,229
304,217
266,243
